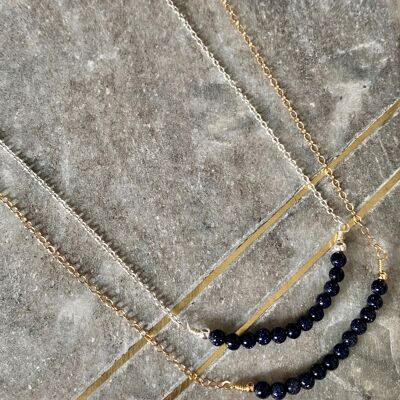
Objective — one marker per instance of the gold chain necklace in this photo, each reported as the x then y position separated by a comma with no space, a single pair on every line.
381,254
85,279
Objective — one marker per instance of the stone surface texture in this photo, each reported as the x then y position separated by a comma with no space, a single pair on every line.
115,105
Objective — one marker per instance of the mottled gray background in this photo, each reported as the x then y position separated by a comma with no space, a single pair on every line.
114,104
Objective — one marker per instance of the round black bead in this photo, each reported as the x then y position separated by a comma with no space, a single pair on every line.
233,341
306,323
217,337
306,381
324,300
318,371
263,336
330,362
293,331
341,351
379,286
349,338
316,313
336,274
368,314
278,391
332,288
338,259
375,301
262,390
293,386
358,326
248,340
278,335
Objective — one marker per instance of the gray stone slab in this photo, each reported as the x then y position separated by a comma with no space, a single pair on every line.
117,106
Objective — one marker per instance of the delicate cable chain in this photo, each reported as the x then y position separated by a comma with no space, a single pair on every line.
203,333
86,280
257,115
380,251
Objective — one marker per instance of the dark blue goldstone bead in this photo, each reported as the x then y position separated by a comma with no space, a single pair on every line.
217,337
332,288
306,323
262,390
293,331
349,338
358,326
368,314
278,391
375,301
336,274
330,362
324,300
263,336
316,313
233,341
306,381
248,340
318,371
338,259
278,335
341,351
293,386
379,286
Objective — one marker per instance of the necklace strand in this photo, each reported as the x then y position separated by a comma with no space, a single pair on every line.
381,254
103,244
114,304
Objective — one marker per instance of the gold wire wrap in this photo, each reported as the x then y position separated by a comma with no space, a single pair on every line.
381,254
382,273
248,387
85,279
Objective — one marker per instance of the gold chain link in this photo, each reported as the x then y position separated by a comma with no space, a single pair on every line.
85,279
379,250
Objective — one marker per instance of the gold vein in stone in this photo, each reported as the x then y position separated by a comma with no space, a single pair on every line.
367,206
240,249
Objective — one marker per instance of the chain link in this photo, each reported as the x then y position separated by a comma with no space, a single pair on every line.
86,280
